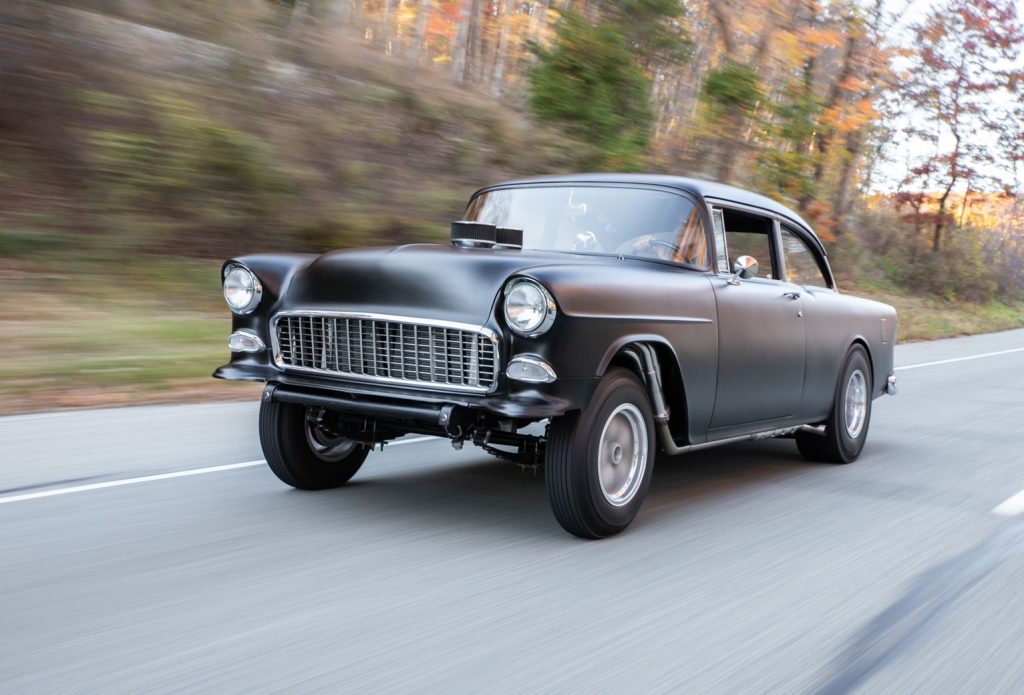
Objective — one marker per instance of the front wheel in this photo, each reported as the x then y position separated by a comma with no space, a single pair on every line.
846,429
301,449
599,460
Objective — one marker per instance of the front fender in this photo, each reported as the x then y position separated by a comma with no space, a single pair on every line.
635,301
275,273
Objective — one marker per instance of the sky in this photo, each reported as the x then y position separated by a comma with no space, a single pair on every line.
892,171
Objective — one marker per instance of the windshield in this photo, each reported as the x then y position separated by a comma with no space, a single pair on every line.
598,219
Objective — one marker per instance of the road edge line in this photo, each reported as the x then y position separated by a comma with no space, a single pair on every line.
1012,506
960,359
128,481
159,476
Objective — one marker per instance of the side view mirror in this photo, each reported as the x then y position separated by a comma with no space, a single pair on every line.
744,268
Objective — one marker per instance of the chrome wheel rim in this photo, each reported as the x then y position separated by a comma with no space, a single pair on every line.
622,454
856,403
326,445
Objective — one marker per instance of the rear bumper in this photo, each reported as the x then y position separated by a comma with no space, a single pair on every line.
890,384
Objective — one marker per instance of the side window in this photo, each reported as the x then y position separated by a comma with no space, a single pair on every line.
801,265
750,235
718,222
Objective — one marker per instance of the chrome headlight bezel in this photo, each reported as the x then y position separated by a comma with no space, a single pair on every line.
546,308
250,284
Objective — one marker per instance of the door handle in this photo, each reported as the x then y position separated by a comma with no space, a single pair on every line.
792,295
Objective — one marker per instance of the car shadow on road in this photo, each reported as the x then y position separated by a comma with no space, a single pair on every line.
719,475
473,488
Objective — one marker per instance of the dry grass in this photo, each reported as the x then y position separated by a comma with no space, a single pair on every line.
87,335
930,318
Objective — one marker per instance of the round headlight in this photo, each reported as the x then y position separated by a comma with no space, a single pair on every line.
242,289
529,308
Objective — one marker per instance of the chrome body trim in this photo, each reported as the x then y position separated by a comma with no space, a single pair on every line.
258,344
637,317
890,385
537,362
481,331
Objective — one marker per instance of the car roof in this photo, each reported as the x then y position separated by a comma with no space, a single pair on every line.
711,190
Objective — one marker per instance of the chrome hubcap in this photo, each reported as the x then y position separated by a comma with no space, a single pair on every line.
325,445
622,454
856,403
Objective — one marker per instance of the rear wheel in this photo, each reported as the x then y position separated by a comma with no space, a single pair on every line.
846,429
303,451
599,460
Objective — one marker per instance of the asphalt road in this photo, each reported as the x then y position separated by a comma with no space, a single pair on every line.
747,571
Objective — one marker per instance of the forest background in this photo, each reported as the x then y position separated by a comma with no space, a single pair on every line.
144,141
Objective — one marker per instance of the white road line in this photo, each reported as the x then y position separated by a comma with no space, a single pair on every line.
960,359
127,481
1012,506
160,476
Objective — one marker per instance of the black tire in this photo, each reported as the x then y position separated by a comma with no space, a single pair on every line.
291,456
839,444
572,468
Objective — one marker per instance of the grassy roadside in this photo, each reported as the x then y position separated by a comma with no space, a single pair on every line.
931,318
103,334
93,336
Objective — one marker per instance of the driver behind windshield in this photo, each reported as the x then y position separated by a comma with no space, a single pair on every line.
627,221
687,243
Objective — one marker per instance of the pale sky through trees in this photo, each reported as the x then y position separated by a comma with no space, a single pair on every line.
905,152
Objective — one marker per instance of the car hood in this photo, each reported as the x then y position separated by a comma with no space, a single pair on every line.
428,281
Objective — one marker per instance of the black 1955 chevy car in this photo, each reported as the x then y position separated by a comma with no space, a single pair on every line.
628,313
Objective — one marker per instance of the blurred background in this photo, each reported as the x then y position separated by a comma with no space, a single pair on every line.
144,141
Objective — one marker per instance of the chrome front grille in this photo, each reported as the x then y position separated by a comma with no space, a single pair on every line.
387,349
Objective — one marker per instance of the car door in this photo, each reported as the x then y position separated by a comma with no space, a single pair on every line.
761,334
825,320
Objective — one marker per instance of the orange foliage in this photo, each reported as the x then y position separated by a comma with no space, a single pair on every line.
822,38
982,210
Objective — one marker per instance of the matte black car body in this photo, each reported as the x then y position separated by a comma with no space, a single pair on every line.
735,358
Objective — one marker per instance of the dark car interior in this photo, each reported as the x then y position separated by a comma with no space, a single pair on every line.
750,235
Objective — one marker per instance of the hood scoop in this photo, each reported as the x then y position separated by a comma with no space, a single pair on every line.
480,235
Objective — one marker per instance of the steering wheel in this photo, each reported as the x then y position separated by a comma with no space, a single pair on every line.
586,241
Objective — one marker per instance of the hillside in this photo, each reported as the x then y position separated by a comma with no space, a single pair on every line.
133,159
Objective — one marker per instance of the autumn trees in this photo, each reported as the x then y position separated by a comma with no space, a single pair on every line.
589,83
963,105
814,102
596,79
788,101
779,95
